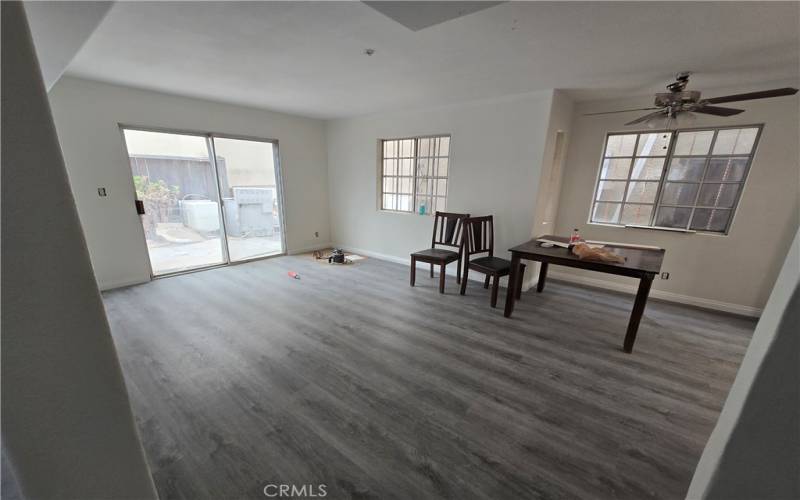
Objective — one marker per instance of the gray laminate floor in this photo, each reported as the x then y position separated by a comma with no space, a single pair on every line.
242,377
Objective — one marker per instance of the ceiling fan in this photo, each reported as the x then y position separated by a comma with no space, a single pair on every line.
679,100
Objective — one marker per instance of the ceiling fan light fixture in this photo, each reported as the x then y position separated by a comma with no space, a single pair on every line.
681,102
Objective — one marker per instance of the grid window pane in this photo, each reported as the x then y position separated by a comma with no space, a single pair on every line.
647,168
442,167
444,146
686,169
414,173
726,169
441,187
656,144
620,145
424,147
610,190
693,143
707,219
407,148
389,149
735,141
406,185
424,176
718,195
636,214
423,185
673,217
674,179
615,168
642,192
679,193
404,166
606,212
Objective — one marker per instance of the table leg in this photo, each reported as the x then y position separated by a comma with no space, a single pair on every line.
542,277
413,270
638,309
512,285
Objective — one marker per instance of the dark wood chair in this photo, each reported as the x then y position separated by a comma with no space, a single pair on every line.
479,238
448,232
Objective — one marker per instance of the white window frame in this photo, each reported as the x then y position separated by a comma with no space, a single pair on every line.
415,157
658,202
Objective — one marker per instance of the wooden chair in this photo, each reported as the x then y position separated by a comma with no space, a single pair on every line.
479,238
447,231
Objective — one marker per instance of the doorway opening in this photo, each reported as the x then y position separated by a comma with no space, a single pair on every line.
208,199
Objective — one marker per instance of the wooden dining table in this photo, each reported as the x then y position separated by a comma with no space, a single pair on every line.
643,263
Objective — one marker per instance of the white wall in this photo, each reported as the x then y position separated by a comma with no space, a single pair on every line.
753,450
545,214
497,148
553,160
67,426
734,272
87,114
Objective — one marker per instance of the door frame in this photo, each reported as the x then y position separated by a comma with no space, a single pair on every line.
209,137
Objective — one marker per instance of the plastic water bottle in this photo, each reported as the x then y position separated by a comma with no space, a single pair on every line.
575,238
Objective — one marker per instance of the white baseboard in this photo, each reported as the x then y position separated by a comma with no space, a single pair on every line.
121,284
320,246
715,305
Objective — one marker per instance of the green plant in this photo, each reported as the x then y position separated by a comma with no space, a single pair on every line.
158,199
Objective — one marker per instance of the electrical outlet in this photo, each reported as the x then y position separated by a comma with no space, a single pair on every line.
665,276
102,192
316,234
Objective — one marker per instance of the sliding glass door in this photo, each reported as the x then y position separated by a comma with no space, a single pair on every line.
208,200
250,197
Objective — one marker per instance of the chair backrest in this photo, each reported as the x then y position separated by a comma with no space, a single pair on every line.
479,235
448,229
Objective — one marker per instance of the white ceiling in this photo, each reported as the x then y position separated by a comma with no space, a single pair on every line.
59,30
308,58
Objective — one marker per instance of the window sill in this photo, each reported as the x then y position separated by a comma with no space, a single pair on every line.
659,228
402,212
651,228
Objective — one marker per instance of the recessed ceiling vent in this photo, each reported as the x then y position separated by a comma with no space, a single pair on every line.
419,15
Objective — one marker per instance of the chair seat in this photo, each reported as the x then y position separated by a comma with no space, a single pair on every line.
491,264
436,254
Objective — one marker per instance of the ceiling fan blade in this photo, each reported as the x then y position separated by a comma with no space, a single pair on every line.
752,95
620,111
648,116
717,110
